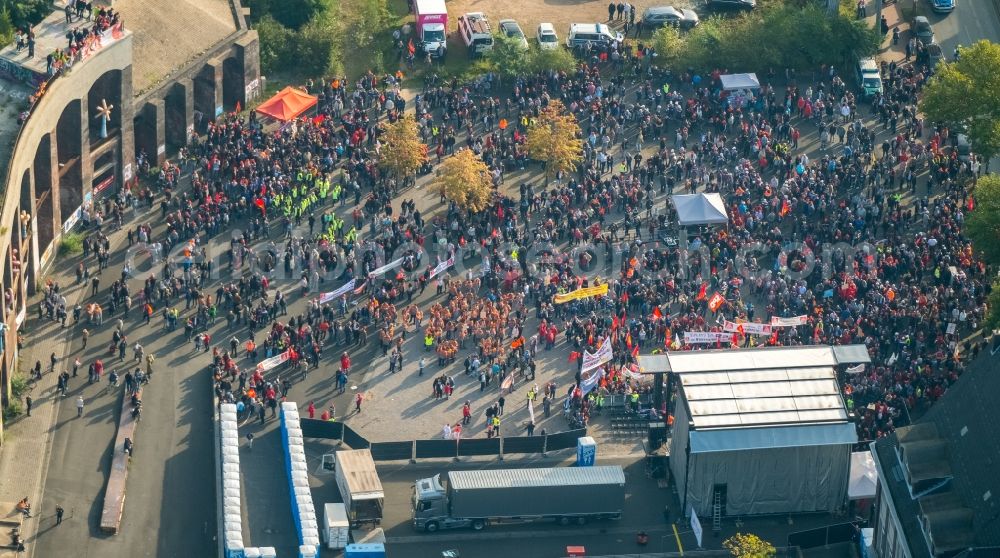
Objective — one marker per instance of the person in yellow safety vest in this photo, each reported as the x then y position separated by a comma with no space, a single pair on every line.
634,399
496,426
524,121
428,342
351,234
336,191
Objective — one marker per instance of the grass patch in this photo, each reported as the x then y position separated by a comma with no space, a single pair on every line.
70,244
13,410
18,385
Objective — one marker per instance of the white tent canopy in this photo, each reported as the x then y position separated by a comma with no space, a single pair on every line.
732,82
863,476
700,209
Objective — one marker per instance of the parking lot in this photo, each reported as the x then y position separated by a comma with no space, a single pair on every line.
560,13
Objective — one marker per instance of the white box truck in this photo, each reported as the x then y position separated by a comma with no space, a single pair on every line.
359,486
336,527
432,26
475,498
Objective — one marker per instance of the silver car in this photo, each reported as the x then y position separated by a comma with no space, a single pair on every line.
658,16
512,30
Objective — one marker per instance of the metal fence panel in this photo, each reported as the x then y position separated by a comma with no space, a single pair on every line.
391,451
565,440
353,439
435,448
479,446
524,444
314,428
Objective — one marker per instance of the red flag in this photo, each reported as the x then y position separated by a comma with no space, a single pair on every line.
971,204
716,302
410,48
657,313
635,350
628,340
666,339
702,292
785,208
239,108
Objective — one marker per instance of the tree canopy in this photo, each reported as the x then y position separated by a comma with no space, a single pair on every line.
965,95
982,225
465,179
748,545
777,35
402,152
555,139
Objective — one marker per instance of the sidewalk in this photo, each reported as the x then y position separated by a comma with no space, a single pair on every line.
24,457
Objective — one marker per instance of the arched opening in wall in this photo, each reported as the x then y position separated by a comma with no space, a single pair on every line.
28,207
43,193
204,98
144,126
175,117
232,84
68,133
69,138
20,232
107,88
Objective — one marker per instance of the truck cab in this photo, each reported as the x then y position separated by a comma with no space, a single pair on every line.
430,507
432,26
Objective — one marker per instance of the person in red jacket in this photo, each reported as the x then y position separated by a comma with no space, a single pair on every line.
345,362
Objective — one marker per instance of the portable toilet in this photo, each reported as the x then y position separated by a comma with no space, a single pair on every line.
586,452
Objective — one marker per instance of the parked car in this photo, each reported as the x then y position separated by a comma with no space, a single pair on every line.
869,77
476,33
942,6
512,30
934,55
921,28
658,16
597,34
547,37
737,4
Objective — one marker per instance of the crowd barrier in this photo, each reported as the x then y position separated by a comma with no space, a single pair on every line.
438,448
303,511
114,491
232,507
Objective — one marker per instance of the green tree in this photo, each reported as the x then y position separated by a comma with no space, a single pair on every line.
992,321
6,26
275,41
315,46
403,152
465,179
982,226
965,95
508,57
555,139
667,43
748,545
293,14
551,60
372,19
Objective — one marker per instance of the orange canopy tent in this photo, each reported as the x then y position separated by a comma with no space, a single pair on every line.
287,104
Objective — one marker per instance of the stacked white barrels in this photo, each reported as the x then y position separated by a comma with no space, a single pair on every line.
232,510
303,511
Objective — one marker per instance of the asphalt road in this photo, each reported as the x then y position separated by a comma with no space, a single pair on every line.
972,20
170,504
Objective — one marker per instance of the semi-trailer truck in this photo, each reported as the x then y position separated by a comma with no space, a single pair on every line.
432,26
359,486
473,499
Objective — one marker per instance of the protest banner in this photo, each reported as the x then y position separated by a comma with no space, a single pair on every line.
702,337
746,328
789,322
583,292
604,354
333,295
442,267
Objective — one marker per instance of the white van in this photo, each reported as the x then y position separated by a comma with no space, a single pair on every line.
581,34
476,33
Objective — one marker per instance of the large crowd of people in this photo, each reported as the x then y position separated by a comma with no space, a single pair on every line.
863,236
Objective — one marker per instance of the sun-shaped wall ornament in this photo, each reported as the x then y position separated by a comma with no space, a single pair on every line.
104,113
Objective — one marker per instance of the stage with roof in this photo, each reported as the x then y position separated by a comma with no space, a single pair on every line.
760,431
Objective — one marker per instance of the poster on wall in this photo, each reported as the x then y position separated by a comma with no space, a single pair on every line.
104,187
